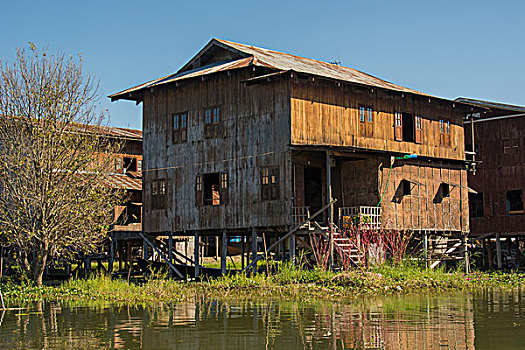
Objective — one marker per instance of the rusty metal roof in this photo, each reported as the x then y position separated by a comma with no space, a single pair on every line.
256,56
491,105
122,133
122,182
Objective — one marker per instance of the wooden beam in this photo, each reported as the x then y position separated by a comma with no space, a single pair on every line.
196,243
161,255
254,252
224,252
498,251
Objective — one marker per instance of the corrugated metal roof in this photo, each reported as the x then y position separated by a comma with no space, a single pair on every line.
489,104
269,59
123,133
122,182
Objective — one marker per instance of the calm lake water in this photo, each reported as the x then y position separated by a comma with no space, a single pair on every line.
489,320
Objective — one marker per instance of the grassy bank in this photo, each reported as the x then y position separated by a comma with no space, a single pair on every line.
289,284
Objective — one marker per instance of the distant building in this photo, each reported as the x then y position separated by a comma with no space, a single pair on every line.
496,199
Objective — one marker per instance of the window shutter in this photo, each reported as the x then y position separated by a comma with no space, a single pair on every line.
398,127
419,127
198,190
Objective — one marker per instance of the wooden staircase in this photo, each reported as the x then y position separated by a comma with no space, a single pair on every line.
345,250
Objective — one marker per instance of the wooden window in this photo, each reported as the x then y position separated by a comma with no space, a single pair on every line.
366,120
511,152
130,164
224,187
444,132
270,183
212,122
475,202
418,131
180,127
211,189
198,190
158,194
118,165
398,126
514,202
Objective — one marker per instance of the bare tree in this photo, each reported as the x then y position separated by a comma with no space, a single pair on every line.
53,160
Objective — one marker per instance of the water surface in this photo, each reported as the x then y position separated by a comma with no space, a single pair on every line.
489,320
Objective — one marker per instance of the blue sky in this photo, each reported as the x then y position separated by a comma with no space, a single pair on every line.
445,48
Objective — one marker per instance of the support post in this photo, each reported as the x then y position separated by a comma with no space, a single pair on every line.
465,254
498,251
87,267
425,247
224,252
484,250
243,242
254,249
489,253
144,250
170,250
196,254
292,249
111,253
330,208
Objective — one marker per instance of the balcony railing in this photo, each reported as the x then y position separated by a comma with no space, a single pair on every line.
363,217
300,215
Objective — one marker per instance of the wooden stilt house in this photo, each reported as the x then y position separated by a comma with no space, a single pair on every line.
244,140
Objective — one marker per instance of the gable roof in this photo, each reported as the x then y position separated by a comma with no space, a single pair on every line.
242,55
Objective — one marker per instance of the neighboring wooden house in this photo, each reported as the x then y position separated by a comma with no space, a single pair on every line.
248,140
496,202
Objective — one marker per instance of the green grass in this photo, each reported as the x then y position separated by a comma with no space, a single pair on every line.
289,283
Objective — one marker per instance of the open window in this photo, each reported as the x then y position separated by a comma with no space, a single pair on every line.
475,203
404,189
129,164
514,202
211,189
408,127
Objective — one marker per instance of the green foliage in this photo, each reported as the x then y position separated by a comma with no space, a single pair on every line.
290,283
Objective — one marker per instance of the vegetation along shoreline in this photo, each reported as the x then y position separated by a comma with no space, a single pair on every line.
289,283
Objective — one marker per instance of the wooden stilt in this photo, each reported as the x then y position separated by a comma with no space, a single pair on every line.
484,253
330,208
254,249
465,254
498,251
111,253
87,267
196,257
145,254
243,242
292,249
224,252
489,254
170,250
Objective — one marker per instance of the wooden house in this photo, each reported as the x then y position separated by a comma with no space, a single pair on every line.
496,200
249,140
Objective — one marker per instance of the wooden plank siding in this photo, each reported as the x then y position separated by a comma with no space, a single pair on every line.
325,113
255,121
498,172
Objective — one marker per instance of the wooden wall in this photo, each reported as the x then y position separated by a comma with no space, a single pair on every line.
500,171
423,209
326,113
256,123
